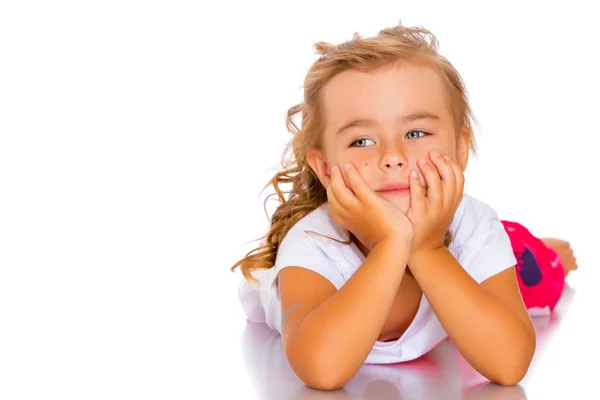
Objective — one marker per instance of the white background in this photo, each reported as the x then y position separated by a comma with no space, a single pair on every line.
135,138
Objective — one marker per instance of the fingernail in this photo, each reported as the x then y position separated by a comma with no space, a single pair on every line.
334,168
413,174
447,158
435,153
347,166
422,160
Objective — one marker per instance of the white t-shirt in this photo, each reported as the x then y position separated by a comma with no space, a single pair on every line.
480,244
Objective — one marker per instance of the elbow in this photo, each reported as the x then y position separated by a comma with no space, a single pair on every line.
509,378
324,384
313,372
511,373
321,379
321,374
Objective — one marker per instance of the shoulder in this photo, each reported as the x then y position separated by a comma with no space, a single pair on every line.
480,242
472,211
313,243
473,217
319,221
317,229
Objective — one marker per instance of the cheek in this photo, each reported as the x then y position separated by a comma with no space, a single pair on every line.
365,170
443,148
368,172
447,146
361,160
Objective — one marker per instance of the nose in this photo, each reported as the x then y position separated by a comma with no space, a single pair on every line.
392,159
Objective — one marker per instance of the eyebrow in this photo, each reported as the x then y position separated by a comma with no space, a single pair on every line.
366,122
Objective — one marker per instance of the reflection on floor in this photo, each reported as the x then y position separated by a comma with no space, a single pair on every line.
441,374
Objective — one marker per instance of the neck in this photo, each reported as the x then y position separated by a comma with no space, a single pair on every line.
364,249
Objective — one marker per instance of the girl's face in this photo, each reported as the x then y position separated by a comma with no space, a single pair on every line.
382,122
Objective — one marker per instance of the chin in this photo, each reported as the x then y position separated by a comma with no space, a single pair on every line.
403,208
401,204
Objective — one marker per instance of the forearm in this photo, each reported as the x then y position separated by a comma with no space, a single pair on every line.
340,332
488,334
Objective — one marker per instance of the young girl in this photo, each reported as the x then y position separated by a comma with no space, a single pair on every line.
377,255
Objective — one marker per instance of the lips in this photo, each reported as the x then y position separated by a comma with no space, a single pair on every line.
392,188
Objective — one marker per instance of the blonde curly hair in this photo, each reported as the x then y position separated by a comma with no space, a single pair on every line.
415,45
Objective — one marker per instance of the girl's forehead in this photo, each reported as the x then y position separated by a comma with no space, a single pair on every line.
385,94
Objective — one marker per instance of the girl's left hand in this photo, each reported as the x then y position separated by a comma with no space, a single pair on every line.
432,215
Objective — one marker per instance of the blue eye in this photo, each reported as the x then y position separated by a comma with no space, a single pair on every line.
361,143
408,135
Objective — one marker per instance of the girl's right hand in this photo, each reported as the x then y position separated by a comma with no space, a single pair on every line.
363,212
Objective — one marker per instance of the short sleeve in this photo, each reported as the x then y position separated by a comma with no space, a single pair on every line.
485,246
301,249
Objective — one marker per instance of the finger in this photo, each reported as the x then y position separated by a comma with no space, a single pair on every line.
329,189
460,180
418,203
337,210
343,194
435,194
360,188
448,178
336,207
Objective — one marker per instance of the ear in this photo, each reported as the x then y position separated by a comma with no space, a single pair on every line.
462,147
316,160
